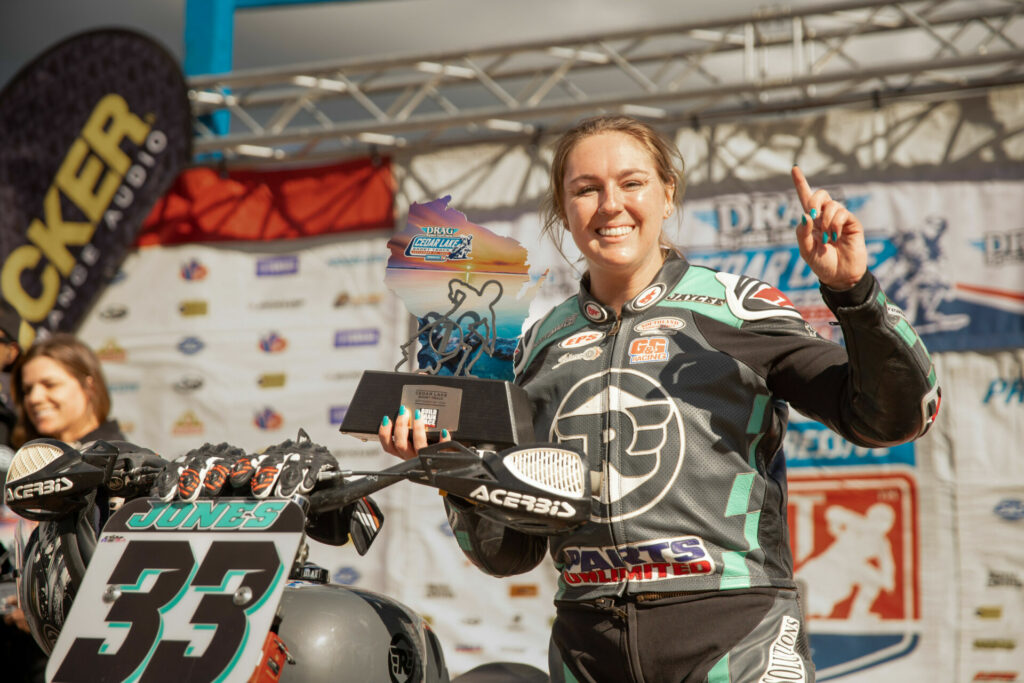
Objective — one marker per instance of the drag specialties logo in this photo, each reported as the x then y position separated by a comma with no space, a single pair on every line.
403,659
272,342
207,515
268,419
657,560
191,345
439,244
648,350
855,549
112,352
624,411
276,266
440,590
358,337
581,339
193,271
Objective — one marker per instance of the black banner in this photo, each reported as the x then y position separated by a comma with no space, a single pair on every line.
92,133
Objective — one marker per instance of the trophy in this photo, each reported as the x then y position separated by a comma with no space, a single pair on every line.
453,276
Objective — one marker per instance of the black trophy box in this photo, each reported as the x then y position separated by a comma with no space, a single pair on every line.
474,411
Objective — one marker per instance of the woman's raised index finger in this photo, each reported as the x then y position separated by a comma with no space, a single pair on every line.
803,188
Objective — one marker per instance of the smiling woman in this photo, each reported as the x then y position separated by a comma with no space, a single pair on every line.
60,392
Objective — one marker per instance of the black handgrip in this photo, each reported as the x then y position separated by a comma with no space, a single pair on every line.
350,491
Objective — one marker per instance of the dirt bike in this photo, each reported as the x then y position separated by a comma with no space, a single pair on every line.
217,589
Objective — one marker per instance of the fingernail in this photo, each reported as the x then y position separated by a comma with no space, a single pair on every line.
401,410
803,219
824,238
416,415
444,433
835,237
814,213
385,421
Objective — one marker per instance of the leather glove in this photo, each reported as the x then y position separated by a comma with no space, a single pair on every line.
203,471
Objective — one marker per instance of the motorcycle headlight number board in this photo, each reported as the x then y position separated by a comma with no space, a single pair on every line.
183,587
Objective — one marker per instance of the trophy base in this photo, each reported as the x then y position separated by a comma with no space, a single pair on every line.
474,411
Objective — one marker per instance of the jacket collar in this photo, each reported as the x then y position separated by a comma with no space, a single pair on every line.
672,270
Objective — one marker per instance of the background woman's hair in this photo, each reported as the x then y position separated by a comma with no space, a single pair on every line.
666,157
79,361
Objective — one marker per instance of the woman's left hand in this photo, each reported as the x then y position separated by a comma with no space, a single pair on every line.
831,239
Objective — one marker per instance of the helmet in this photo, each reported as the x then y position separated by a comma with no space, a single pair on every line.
339,633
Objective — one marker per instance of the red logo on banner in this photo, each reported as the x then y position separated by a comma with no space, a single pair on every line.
855,548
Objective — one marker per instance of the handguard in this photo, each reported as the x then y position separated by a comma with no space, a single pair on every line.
49,480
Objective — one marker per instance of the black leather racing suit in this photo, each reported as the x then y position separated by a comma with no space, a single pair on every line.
680,407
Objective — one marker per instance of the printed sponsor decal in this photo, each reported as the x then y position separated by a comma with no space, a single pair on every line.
268,419
188,383
662,325
1005,390
1004,579
538,505
271,380
856,557
369,336
440,244
596,313
1003,247
114,312
276,304
994,644
568,322
649,561
272,342
208,515
591,353
648,350
751,299
1010,509
195,307
193,271
345,299
191,345
989,612
39,488
112,352
695,299
346,576
581,339
1007,676
276,266
337,414
784,664
123,387
523,590
440,590
647,297
188,425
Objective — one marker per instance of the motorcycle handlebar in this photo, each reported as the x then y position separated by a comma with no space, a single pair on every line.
349,491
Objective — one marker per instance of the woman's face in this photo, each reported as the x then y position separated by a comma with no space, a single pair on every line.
54,401
615,203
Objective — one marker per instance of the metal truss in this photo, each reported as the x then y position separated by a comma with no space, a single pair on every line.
776,61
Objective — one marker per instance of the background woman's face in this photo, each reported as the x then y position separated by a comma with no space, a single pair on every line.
615,202
54,400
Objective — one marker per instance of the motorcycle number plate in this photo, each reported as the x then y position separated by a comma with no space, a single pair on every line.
183,590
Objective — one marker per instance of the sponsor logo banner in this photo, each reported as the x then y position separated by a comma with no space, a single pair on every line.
91,135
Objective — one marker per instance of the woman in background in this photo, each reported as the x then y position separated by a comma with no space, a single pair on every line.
60,392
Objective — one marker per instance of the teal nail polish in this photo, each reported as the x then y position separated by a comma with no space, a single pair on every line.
814,213
824,238
835,237
401,410
385,421
444,433
803,219
792,223
416,415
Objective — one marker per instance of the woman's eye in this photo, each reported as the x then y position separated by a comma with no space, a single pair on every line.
587,189
633,184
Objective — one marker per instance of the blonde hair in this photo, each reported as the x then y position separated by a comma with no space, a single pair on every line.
668,163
